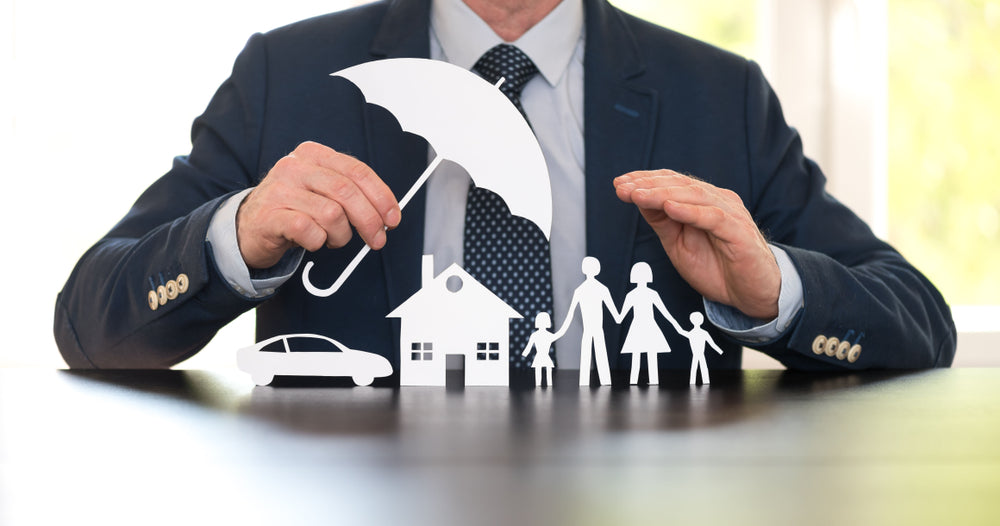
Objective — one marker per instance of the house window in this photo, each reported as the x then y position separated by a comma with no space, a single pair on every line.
421,351
494,351
488,351
428,348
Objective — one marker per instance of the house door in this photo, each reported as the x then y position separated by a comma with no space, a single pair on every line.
455,374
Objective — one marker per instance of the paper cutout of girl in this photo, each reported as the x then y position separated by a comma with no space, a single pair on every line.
542,340
644,334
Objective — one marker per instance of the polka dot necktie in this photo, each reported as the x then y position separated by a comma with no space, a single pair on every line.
506,253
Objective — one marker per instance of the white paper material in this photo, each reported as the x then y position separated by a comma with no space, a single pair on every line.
466,120
453,314
309,355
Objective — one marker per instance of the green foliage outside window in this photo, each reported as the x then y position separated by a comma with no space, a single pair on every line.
729,24
944,145
944,127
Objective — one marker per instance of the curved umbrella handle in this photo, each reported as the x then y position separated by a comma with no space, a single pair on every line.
323,293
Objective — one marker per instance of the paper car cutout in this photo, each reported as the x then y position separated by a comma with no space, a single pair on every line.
309,355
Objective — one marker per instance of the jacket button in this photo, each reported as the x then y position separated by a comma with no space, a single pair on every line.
182,283
842,350
154,301
854,353
831,346
819,344
161,294
172,290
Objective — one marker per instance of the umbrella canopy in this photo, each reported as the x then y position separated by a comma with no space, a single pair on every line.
467,121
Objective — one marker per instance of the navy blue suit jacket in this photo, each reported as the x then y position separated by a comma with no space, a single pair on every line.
653,99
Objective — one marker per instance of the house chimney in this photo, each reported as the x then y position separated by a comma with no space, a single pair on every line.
426,270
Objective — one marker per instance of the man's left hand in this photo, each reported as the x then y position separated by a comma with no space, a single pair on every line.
710,238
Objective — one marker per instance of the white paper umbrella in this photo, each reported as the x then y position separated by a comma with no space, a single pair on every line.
466,120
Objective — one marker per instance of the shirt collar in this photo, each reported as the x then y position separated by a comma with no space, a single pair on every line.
550,44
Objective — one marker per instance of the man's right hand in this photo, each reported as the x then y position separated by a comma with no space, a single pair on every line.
311,198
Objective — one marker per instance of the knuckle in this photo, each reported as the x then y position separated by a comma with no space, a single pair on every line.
731,196
358,171
331,213
287,165
307,148
715,215
298,226
342,189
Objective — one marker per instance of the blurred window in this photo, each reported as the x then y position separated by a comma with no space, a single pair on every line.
944,157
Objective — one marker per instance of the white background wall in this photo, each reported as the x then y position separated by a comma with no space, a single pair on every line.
97,98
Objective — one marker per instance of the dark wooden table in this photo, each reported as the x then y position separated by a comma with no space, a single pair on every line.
756,447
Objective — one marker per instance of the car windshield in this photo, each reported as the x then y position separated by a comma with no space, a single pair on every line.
275,346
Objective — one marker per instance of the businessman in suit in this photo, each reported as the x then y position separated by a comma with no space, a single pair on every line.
286,159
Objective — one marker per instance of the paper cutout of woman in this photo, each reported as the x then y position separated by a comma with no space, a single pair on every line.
542,340
644,334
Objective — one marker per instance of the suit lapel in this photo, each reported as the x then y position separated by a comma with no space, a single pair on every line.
619,123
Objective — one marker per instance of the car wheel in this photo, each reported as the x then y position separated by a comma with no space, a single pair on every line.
262,378
364,380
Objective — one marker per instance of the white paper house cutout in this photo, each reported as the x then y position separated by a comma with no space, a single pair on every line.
453,314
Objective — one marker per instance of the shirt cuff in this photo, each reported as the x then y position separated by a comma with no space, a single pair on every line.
226,251
754,331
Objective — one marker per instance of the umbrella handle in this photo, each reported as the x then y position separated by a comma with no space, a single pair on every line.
323,293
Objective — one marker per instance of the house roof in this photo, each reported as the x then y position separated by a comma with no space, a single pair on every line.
453,290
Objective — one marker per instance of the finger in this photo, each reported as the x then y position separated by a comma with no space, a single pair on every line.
370,184
330,216
694,195
647,178
341,197
653,189
706,214
298,228
630,182
333,196
683,188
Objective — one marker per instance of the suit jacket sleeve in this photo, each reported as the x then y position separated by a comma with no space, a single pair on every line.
103,316
856,288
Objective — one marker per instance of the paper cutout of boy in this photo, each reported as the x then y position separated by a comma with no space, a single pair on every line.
592,296
542,340
698,337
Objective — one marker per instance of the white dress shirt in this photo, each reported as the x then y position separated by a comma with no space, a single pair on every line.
553,102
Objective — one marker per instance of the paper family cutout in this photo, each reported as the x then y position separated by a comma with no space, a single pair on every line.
643,336
467,120
452,314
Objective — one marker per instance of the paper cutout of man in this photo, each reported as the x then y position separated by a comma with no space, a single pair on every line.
592,297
